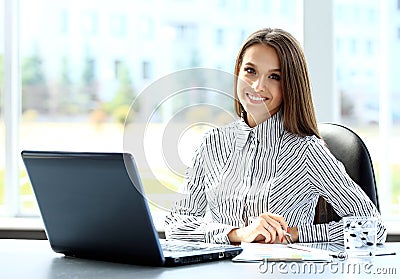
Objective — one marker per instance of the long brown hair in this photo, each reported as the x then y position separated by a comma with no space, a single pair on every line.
297,105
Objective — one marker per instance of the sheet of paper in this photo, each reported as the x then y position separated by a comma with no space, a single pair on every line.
336,248
254,252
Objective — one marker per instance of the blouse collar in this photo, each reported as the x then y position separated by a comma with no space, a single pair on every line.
267,132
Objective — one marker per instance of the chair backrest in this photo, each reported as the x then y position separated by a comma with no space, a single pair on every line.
348,148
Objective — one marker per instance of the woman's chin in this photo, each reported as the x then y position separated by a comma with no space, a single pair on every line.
258,119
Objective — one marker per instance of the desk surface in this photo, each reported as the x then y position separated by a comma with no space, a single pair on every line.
35,259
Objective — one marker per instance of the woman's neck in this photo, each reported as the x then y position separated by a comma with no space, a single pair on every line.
251,122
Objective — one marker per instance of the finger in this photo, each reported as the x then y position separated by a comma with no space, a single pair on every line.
261,230
280,219
267,236
277,218
259,238
273,220
270,230
278,229
262,235
256,231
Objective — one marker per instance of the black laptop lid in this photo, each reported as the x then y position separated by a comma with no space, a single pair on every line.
91,208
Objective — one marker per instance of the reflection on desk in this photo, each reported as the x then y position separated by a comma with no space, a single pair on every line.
35,259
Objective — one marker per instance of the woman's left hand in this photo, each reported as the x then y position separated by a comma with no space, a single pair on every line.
276,224
268,228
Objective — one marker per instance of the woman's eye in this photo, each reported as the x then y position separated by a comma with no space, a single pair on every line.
249,70
275,76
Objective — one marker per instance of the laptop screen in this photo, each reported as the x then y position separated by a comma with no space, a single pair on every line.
91,207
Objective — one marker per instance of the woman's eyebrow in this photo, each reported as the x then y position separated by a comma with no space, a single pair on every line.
255,66
250,64
275,70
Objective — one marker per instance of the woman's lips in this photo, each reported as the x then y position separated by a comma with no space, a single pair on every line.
256,99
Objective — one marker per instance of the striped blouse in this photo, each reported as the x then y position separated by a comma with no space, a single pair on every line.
240,172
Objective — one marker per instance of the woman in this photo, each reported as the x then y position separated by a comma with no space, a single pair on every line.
271,164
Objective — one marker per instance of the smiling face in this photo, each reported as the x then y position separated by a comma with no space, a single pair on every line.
259,87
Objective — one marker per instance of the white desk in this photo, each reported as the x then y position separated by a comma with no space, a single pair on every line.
35,259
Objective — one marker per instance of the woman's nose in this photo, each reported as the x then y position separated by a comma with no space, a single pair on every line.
260,85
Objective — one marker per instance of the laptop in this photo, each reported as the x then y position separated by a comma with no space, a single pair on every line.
92,207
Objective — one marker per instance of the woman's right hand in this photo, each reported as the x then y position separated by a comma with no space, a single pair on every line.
267,228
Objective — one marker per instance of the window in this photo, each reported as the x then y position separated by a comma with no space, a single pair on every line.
353,46
222,4
219,37
90,23
364,99
64,21
242,36
146,70
147,28
372,15
181,31
118,25
117,68
338,44
245,4
89,71
369,47
78,82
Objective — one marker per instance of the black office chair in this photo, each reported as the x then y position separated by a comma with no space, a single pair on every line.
348,148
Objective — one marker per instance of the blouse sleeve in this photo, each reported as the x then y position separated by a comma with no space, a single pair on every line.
187,220
329,178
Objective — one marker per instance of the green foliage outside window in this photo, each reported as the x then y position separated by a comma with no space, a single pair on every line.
119,106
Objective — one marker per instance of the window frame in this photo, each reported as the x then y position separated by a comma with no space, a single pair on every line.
11,106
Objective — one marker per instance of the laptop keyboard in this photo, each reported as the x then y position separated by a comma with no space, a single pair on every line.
182,246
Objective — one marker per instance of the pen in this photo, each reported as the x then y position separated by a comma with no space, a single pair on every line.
288,237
